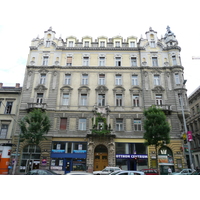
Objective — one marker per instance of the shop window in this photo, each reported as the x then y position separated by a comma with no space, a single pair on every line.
58,145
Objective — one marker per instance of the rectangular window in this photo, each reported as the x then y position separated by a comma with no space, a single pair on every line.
86,43
45,60
102,61
177,79
156,80
152,44
101,79
154,61
67,79
63,124
118,99
8,108
39,97
119,124
159,100
137,125
133,62
65,100
136,102
102,44
84,79
71,43
42,79
4,130
174,60
82,124
117,44
47,43
134,79
132,44
118,61
118,79
69,61
101,100
83,99
85,61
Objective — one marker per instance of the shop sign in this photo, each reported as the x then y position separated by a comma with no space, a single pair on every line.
79,151
57,151
56,168
189,134
130,156
44,161
165,159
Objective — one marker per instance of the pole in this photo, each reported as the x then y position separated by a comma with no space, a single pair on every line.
16,156
185,127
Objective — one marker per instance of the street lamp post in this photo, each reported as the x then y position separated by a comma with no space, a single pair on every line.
185,128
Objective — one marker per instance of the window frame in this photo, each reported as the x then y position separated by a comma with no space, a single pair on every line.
82,124
43,79
8,108
118,61
119,124
67,79
65,99
101,100
159,99
86,61
84,79
133,62
63,123
101,79
39,99
102,61
4,131
118,79
136,100
134,79
156,79
137,126
119,100
83,99
155,61
45,60
68,63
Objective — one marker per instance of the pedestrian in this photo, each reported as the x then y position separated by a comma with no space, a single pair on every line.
169,171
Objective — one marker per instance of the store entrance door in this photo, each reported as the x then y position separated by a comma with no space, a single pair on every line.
100,158
68,167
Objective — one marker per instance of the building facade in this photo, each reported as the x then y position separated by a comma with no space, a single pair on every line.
9,106
95,92
193,125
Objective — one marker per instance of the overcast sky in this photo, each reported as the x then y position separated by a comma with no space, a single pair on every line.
23,20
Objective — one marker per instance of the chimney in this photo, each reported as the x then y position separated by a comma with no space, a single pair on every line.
17,85
1,85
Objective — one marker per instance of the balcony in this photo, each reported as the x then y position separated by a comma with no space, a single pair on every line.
31,106
167,109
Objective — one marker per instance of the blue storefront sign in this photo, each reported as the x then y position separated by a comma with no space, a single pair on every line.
79,151
58,151
130,156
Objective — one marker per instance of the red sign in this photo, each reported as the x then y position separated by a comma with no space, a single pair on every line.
189,134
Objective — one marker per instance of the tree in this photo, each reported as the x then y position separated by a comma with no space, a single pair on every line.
156,128
34,126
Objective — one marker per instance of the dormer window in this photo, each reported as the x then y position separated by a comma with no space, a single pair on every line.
132,44
102,44
86,43
71,43
117,44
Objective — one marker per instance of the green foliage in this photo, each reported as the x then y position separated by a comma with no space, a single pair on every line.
34,126
156,127
100,130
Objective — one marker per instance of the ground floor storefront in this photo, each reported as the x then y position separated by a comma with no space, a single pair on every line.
94,154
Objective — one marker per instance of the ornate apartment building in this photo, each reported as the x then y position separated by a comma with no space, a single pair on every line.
193,125
95,92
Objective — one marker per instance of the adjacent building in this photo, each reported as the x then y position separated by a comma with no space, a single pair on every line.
9,106
95,91
193,125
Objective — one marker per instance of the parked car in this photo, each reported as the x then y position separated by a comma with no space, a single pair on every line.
41,172
78,173
150,171
130,172
196,172
115,172
183,172
106,171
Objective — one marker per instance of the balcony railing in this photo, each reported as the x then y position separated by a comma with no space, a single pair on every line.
37,105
